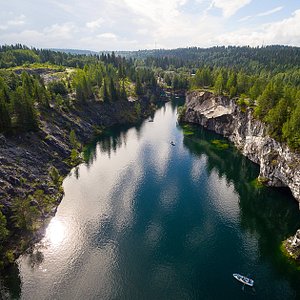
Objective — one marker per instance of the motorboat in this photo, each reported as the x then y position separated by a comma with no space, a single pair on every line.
243,279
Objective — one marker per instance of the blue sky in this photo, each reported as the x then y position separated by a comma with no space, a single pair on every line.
142,24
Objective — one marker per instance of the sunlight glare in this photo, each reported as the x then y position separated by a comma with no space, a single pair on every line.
56,232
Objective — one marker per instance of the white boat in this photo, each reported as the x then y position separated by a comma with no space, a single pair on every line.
172,143
243,279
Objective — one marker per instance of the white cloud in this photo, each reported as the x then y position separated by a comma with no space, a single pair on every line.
67,8
57,35
229,7
107,35
140,24
244,18
16,21
286,31
270,12
266,13
95,24
64,30
156,10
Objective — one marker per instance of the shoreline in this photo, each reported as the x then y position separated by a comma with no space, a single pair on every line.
51,147
278,164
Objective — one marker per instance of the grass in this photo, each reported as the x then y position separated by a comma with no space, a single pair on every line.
39,66
188,129
220,144
290,259
257,183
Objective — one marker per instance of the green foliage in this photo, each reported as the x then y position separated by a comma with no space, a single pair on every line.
137,107
257,183
138,87
10,256
181,111
55,176
105,94
276,117
123,94
73,140
5,118
24,213
58,87
43,202
268,99
274,98
220,144
24,109
203,78
218,86
3,230
291,129
112,91
188,130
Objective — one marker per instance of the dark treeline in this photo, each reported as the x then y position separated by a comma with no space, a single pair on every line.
18,55
271,58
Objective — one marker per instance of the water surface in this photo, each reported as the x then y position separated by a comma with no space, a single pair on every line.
143,219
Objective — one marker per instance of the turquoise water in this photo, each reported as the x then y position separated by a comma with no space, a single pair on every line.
143,219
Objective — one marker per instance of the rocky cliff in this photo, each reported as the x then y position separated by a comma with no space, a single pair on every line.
279,166
26,159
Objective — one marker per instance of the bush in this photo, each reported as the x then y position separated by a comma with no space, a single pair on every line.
55,176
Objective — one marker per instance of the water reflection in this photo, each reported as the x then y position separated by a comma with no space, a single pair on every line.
56,232
142,219
269,214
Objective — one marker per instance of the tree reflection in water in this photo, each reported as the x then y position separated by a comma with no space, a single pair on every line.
271,214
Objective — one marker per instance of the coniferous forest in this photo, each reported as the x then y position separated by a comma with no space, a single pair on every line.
33,82
264,78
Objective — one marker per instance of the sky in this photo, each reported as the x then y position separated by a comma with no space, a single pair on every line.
148,24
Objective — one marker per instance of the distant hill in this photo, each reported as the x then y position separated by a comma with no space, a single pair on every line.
75,51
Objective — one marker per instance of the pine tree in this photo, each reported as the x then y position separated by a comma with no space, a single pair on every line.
105,92
25,110
5,119
138,86
112,91
123,94
231,82
3,230
218,87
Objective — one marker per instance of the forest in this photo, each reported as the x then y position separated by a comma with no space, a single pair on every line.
24,95
266,79
35,81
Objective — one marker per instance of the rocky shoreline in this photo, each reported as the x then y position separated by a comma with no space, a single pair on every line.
26,159
279,166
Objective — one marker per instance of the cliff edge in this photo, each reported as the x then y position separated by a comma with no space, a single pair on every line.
279,166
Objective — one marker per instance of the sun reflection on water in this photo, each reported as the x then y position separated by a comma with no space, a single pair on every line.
56,232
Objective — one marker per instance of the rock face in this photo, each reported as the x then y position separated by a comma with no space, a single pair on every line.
279,166
292,245
25,159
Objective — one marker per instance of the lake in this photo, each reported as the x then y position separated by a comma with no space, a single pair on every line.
143,219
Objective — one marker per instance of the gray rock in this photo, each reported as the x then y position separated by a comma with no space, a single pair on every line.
279,166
